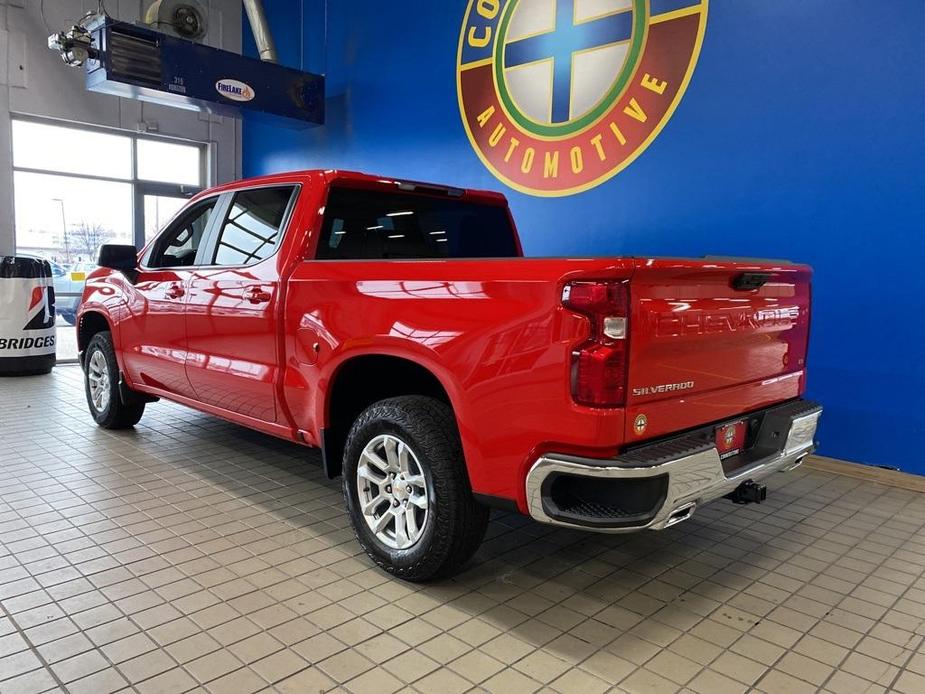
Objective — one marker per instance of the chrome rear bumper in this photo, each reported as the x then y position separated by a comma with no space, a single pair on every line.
677,475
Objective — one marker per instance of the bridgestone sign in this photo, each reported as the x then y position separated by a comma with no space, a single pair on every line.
27,316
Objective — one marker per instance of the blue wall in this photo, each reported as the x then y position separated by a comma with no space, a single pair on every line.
801,136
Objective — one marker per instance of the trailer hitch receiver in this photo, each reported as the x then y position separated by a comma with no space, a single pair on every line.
749,492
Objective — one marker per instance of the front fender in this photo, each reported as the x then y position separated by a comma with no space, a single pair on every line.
102,296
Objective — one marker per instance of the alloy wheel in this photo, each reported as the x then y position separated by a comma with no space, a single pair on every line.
392,491
98,381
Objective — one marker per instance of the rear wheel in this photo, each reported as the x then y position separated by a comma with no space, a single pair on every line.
101,380
407,491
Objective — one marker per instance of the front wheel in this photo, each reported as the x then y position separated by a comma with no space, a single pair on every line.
101,380
407,491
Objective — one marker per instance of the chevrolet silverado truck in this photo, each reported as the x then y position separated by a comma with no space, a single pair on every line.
396,326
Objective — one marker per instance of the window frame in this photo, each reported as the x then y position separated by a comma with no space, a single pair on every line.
352,186
210,241
181,216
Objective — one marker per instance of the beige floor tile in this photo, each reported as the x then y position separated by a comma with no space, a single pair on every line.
318,647
345,665
644,681
176,680
821,650
381,648
193,647
845,683
101,682
580,681
375,681
78,666
192,550
511,682
14,643
608,667
674,667
212,666
716,633
147,665
711,682
33,683
508,648
910,683
475,632
444,648
308,680
443,681
738,667
542,666
410,666
243,681
476,666
61,649
633,649
128,648
255,647
777,682
777,634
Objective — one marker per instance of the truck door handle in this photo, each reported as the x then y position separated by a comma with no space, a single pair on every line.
174,291
256,295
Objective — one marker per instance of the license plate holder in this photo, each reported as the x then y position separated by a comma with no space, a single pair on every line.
730,438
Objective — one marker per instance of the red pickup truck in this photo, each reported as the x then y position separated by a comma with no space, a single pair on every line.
397,326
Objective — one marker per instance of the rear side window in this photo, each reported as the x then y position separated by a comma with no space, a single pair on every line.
365,224
253,225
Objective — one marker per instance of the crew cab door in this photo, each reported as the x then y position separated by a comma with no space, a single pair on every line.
231,319
154,334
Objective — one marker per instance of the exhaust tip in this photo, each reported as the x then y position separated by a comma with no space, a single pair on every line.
680,514
797,463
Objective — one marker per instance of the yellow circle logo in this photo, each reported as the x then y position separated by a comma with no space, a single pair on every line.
557,96
639,426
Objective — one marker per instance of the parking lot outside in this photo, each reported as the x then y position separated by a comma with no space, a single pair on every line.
66,341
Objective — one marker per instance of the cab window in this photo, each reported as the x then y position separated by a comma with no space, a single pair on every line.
253,226
179,244
378,225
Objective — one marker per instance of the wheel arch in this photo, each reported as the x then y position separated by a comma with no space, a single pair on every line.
89,323
361,380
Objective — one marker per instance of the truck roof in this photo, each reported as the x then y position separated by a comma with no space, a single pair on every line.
366,180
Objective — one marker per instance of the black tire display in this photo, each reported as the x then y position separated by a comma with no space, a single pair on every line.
407,490
101,382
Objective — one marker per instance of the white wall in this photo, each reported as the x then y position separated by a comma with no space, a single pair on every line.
34,81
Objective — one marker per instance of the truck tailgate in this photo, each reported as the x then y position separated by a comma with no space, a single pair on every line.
712,339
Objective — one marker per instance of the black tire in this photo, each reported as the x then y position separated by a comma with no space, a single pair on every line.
455,522
116,414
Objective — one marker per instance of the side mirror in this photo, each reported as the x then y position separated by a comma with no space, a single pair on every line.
118,257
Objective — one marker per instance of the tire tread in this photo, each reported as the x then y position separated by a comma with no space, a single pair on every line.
433,426
119,415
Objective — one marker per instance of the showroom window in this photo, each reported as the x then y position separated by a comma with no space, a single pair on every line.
78,187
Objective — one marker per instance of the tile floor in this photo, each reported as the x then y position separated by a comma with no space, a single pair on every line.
192,554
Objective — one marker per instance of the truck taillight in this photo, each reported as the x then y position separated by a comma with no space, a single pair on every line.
599,365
